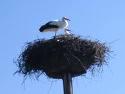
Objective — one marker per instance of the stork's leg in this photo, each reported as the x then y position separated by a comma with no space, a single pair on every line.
55,35
65,31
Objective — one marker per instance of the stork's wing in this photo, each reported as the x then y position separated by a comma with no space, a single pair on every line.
49,25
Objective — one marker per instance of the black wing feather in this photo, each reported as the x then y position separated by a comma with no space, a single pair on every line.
47,26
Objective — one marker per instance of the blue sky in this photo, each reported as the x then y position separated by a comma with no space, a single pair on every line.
103,20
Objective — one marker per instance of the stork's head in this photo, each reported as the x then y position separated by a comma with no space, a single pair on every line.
65,18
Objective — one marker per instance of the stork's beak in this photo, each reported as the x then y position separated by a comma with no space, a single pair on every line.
68,19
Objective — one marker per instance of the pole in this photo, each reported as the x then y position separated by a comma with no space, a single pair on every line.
67,84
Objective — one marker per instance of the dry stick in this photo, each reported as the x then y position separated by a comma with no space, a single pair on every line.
67,84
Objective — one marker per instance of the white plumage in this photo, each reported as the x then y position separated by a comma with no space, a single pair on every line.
55,25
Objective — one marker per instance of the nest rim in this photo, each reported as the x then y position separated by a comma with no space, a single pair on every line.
55,72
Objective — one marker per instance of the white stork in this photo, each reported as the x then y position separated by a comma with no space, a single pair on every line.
55,25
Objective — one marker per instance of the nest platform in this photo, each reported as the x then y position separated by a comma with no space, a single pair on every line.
61,55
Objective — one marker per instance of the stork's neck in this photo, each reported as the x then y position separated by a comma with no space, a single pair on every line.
65,23
64,20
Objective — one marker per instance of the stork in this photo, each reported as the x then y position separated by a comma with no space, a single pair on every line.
56,25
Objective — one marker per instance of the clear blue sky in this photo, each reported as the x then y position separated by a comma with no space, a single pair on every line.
97,19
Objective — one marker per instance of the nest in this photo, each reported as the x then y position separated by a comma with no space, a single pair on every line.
61,55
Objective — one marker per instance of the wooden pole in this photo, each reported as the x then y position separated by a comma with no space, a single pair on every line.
67,84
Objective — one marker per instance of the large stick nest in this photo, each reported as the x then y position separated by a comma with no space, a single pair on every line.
63,54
